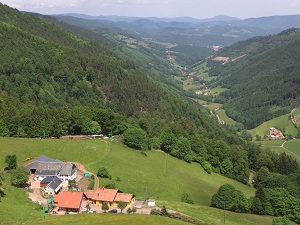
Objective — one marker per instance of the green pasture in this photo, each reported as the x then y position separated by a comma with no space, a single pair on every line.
291,147
216,216
279,122
163,177
223,116
217,90
213,106
108,219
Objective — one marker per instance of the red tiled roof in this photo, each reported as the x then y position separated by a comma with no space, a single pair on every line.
102,194
89,194
123,197
68,199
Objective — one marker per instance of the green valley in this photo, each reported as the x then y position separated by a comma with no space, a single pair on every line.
183,111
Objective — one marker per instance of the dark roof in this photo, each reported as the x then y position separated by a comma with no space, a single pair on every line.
67,169
47,172
55,183
47,180
45,163
46,159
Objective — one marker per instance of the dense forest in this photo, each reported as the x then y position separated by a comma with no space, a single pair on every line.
262,76
56,79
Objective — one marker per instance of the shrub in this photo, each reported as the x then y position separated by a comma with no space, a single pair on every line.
155,212
110,186
186,198
103,173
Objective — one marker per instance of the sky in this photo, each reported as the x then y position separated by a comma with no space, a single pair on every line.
161,8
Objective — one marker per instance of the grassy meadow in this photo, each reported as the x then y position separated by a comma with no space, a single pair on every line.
216,216
163,177
223,116
290,147
279,122
108,219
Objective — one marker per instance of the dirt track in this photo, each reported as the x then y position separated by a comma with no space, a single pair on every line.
80,172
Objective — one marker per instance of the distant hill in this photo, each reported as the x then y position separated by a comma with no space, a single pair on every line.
128,19
218,30
263,77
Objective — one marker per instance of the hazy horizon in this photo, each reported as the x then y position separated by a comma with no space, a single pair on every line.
161,8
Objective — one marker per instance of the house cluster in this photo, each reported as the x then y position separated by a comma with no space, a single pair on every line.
51,173
276,134
110,196
76,202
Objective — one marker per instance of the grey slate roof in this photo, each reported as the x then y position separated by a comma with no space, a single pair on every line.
66,169
46,172
46,159
46,166
55,183
47,180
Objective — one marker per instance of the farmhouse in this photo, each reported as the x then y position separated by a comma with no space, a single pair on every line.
127,198
70,201
53,187
45,167
110,196
275,133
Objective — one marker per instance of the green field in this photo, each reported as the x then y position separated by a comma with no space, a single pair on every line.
161,175
216,216
279,122
165,179
290,147
223,116
109,219
217,90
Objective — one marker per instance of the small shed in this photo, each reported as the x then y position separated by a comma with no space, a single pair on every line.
151,202
86,174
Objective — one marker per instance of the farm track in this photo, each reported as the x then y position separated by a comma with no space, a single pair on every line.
282,146
82,169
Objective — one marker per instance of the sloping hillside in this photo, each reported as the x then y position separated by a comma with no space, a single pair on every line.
43,65
262,74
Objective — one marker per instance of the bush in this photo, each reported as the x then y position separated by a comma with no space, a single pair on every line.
91,184
103,173
136,138
207,167
131,210
280,221
186,198
155,212
19,177
110,186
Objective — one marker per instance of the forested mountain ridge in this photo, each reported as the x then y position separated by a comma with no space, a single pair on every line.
63,84
48,71
262,74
